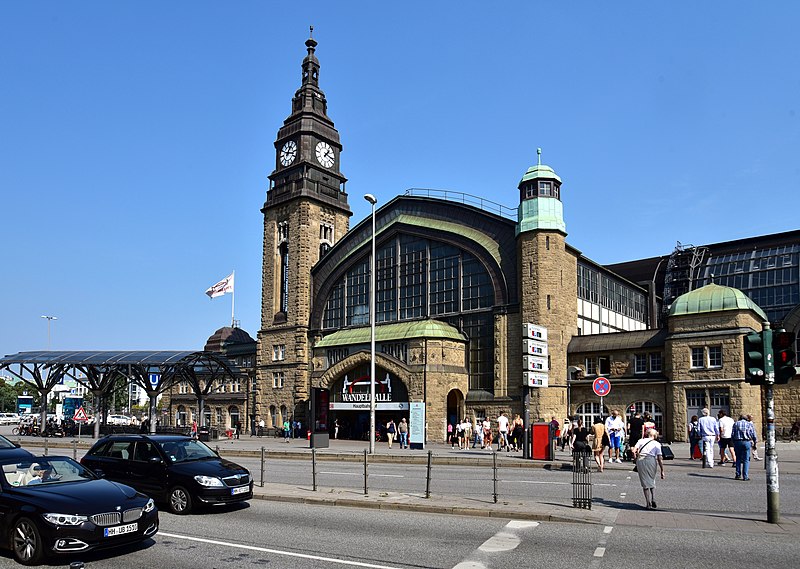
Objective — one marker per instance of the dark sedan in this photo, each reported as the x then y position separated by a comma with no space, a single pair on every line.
10,449
176,470
52,504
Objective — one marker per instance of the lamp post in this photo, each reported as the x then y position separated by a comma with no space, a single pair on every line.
371,199
49,320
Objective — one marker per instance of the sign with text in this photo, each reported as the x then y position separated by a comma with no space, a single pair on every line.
534,348
535,379
534,363
416,424
534,332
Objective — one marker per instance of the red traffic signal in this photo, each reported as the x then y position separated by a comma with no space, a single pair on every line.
783,352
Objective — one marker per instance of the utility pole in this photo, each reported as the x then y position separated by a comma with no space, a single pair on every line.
773,494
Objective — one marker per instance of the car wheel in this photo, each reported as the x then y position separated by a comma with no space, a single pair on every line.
180,501
26,542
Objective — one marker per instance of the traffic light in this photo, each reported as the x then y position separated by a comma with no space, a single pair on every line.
754,359
783,348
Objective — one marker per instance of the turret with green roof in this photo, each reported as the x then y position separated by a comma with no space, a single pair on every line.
540,204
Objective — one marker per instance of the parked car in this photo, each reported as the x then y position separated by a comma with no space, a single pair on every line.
9,418
118,420
176,470
52,505
12,450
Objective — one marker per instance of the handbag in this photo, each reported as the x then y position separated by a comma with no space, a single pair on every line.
590,440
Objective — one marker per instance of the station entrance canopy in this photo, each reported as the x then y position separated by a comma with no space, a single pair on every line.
153,371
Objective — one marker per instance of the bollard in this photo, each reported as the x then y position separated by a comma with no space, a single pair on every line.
581,480
314,469
366,493
262,467
75,450
45,446
494,475
428,481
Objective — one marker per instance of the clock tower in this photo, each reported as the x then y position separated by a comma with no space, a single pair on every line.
306,212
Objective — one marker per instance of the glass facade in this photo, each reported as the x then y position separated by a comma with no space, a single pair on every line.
421,278
598,288
769,276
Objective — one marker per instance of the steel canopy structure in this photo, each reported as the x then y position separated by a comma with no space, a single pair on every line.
100,370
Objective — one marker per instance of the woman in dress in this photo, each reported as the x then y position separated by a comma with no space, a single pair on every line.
598,430
648,460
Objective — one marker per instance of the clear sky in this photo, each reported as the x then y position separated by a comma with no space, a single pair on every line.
137,137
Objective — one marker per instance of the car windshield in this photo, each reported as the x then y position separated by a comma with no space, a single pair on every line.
44,471
185,450
5,443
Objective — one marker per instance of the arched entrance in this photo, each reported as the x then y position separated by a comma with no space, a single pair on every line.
350,401
455,407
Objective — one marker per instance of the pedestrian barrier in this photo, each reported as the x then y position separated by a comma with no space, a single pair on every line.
581,479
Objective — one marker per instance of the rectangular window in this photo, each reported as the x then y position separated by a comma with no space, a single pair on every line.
236,385
604,365
358,294
334,308
278,352
412,271
715,356
277,380
698,358
591,366
443,280
641,363
476,288
386,285
655,362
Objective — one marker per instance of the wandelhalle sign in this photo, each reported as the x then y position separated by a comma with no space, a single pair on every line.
355,396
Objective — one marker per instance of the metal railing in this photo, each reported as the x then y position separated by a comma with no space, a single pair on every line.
467,199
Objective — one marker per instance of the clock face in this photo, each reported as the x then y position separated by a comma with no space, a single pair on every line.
325,154
288,153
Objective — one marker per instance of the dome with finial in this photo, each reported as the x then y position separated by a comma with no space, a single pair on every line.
713,298
540,171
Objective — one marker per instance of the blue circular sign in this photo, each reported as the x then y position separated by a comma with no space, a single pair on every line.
601,386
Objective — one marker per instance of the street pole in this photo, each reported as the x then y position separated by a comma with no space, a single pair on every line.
49,320
371,199
771,459
526,420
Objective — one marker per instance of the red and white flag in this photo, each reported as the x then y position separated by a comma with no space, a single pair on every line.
222,287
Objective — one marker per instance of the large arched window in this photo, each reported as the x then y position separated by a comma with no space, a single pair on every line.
590,411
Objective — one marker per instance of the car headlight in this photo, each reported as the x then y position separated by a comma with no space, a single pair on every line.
150,506
209,481
65,519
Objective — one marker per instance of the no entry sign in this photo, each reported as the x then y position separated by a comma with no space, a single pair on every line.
601,386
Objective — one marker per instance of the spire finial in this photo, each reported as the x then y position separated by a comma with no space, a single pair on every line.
311,31
539,156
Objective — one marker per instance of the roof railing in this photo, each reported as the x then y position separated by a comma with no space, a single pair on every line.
467,199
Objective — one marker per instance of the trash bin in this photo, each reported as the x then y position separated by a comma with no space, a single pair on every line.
204,434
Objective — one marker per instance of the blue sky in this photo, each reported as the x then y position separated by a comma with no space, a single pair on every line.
138,137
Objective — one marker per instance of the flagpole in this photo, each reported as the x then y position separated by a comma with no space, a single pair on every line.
233,297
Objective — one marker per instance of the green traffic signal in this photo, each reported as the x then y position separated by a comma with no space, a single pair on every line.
754,359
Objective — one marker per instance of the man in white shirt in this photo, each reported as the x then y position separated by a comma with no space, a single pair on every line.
709,432
725,432
502,427
615,427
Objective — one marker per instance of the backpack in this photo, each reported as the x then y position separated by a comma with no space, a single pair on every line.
695,432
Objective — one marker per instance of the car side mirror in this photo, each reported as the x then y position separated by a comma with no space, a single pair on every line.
156,460
17,445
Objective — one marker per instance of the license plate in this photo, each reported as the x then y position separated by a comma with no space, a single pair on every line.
119,530
240,490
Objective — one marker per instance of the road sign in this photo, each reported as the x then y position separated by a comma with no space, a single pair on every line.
80,415
601,386
534,363
535,379
154,379
534,332
534,348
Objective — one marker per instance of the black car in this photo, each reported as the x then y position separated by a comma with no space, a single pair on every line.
10,449
52,504
176,470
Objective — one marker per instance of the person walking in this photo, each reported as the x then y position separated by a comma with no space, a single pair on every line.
502,428
615,428
194,428
599,431
487,433
518,433
694,436
450,434
402,429
635,429
755,445
391,431
287,428
709,432
478,431
648,460
743,435
725,438
577,441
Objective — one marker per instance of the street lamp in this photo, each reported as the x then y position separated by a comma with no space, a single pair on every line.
49,320
371,199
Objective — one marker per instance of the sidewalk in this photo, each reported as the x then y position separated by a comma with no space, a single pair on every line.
345,450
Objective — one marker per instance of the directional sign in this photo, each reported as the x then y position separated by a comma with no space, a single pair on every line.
154,379
601,386
535,379
80,415
534,363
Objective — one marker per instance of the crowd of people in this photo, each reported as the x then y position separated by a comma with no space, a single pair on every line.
508,437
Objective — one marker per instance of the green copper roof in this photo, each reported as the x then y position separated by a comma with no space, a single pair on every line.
541,213
713,298
392,332
540,171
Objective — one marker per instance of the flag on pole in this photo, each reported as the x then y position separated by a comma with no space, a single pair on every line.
222,287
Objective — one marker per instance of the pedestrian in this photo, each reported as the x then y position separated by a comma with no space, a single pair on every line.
502,431
744,437
487,433
478,431
261,425
647,424
555,433
518,433
402,428
577,442
755,445
615,429
336,428
648,458
694,436
391,431
709,432
725,441
287,430
238,427
451,434
194,428
635,429
599,432
566,432
463,434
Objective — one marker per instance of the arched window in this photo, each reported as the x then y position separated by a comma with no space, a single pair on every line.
284,414
650,408
233,411
590,411
273,414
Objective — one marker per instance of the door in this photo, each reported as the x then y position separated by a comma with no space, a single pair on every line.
148,471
